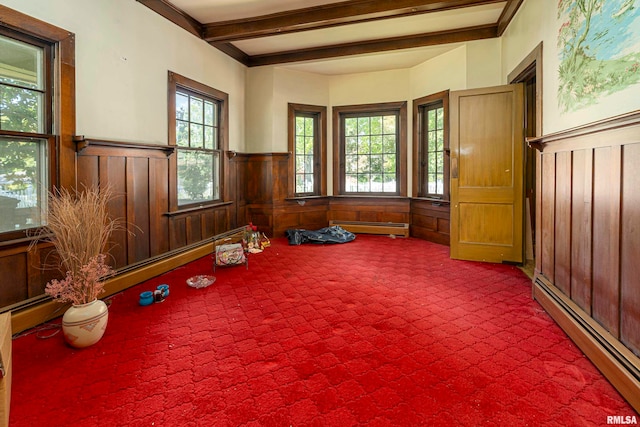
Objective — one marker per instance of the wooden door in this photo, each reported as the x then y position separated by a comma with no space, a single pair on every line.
486,140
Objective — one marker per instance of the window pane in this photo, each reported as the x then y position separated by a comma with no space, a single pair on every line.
390,164
363,183
389,143
364,145
363,126
351,145
196,110
182,133
376,125
440,121
350,127
300,185
376,163
21,110
308,164
390,125
197,135
370,159
351,183
389,185
196,176
21,64
308,146
182,106
432,183
308,188
209,115
300,145
209,141
351,164
308,126
23,183
431,138
299,163
299,126
376,145
431,120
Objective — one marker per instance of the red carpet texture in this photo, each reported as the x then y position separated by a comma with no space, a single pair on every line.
376,332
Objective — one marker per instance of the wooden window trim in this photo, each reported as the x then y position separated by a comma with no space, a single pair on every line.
174,81
418,170
320,171
62,117
338,146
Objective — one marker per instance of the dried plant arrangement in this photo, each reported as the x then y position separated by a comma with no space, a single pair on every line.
79,226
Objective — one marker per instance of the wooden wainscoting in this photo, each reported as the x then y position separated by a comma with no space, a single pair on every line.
430,220
138,174
587,268
369,209
155,239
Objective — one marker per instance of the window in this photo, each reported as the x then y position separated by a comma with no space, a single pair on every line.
371,149
197,123
307,143
26,134
432,146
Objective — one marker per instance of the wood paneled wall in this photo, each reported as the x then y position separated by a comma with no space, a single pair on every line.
589,235
430,220
139,177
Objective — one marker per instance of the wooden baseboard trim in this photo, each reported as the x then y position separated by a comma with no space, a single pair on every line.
617,363
390,228
43,312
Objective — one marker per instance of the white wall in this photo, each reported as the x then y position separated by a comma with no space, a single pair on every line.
299,88
123,54
259,107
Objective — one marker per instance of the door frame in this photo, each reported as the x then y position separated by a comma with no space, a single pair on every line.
530,66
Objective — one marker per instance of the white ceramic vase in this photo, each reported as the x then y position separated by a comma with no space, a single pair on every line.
84,324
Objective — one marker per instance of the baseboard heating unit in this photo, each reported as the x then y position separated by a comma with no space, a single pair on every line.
389,228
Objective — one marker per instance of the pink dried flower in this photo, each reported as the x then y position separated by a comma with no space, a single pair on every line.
83,286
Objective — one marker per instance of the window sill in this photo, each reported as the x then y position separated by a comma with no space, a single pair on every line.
296,198
434,201
370,196
197,208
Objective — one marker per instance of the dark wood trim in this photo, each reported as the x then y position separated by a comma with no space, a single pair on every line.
380,45
531,66
232,51
26,24
175,15
417,134
83,143
507,15
221,34
321,165
619,365
197,209
64,78
327,16
175,80
62,170
338,149
622,121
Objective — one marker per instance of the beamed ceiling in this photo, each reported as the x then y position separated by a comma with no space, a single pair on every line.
335,37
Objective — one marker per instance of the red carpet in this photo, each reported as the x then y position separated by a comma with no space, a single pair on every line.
376,332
